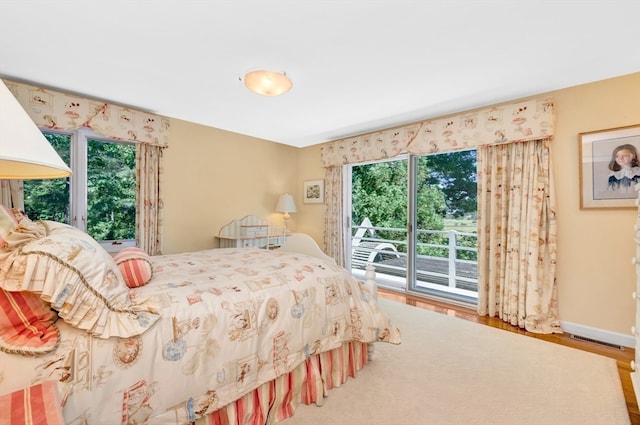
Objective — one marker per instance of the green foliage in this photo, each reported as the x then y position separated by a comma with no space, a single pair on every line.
446,185
380,193
469,242
455,174
111,190
111,170
48,199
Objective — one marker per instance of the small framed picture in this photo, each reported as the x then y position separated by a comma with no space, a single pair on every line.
609,167
313,192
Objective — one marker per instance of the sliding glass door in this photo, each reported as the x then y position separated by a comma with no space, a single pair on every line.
414,219
378,196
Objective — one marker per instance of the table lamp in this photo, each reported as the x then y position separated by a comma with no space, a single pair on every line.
286,205
24,151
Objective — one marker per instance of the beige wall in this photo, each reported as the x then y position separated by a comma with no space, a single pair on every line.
595,273
311,217
213,176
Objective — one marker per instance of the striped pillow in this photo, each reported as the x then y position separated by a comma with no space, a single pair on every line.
135,266
38,404
26,324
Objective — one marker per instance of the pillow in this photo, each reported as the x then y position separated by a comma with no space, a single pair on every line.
39,404
70,270
135,265
26,324
26,321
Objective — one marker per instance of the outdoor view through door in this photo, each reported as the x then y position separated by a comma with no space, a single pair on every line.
437,196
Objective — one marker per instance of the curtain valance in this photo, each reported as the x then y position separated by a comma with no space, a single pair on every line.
522,121
60,111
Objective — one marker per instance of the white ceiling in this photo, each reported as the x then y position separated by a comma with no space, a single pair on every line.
356,65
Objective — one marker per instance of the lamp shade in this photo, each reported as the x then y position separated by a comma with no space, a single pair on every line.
24,151
267,83
285,204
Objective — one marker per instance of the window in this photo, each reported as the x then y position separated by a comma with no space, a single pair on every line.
437,196
100,196
49,199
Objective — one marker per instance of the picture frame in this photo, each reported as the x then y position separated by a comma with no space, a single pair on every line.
313,192
603,184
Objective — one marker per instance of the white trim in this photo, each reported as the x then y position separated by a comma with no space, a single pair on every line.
599,334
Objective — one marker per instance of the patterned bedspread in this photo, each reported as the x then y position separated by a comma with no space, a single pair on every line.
230,320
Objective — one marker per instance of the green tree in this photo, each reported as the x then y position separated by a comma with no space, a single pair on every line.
379,192
111,170
48,199
111,189
446,184
455,174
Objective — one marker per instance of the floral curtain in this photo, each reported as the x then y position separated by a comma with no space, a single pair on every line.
517,236
333,219
526,120
12,194
60,111
149,200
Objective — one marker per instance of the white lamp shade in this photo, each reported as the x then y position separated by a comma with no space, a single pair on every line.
285,204
24,151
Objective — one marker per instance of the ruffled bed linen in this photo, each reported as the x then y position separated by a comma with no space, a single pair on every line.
231,322
71,272
309,383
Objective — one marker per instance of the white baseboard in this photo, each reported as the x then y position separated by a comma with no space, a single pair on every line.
599,334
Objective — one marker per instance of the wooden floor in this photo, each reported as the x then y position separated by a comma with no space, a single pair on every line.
623,357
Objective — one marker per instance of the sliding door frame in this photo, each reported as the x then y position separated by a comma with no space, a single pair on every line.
410,285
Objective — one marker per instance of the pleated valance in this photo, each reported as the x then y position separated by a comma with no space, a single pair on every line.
61,111
526,120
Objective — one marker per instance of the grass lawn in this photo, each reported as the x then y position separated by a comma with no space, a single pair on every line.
461,225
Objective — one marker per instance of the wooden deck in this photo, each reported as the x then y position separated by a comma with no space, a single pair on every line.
429,269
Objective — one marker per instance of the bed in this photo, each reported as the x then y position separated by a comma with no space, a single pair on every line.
221,336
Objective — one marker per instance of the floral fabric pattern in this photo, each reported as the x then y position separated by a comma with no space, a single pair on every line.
61,111
231,321
517,236
527,120
333,228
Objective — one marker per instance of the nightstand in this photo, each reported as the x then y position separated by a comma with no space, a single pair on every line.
268,242
251,232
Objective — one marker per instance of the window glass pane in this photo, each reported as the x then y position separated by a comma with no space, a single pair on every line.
452,178
379,193
48,199
442,260
111,190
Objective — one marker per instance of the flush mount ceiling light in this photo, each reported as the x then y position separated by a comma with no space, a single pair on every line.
267,83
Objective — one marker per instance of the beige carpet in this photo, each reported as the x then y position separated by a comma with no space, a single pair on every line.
449,371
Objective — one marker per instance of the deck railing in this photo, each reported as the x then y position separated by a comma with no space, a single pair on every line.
446,260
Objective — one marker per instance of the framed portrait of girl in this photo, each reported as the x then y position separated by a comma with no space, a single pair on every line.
609,167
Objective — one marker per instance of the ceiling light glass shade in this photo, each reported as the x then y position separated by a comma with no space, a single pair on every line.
267,83
24,151
285,204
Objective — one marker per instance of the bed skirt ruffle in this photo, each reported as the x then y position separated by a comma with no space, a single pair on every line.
308,383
